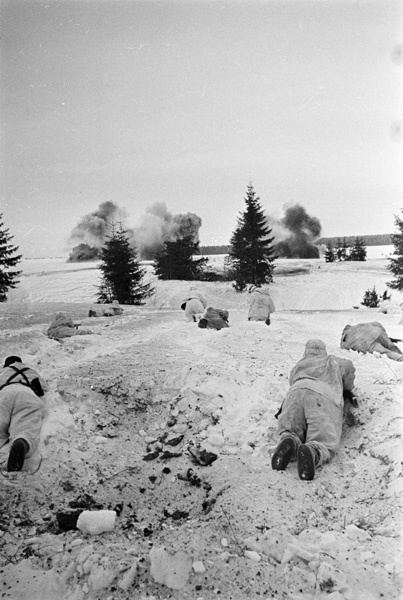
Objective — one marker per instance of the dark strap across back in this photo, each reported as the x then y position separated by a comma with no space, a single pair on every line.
17,372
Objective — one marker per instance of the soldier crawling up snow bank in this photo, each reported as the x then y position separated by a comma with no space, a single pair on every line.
370,337
21,410
194,305
63,326
260,305
214,318
310,419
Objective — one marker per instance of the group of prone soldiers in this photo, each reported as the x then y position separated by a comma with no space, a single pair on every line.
321,389
195,306
309,421
63,326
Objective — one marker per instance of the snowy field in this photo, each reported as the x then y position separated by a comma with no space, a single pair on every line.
379,251
235,529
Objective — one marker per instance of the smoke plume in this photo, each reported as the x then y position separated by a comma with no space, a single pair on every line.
296,233
158,226
94,228
83,252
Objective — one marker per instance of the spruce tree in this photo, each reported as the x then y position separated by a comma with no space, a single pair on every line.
122,274
251,252
176,260
8,260
358,251
371,298
396,260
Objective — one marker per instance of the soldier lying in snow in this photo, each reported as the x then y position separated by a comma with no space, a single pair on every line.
105,310
310,419
21,410
63,326
370,337
194,304
214,318
387,307
260,305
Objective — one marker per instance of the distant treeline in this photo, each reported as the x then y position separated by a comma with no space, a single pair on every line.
214,249
381,239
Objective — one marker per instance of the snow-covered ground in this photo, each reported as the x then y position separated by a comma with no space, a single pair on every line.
379,251
230,530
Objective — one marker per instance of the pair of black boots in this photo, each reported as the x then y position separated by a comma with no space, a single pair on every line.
307,458
18,452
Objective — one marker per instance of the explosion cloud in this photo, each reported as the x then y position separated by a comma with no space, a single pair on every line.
94,228
296,233
158,226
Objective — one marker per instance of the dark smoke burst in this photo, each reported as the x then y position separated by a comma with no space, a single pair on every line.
300,231
94,228
158,226
83,252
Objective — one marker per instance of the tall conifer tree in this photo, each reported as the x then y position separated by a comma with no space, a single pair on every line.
251,252
8,260
176,260
396,260
122,274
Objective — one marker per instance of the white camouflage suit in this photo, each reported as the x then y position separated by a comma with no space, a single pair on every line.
312,411
260,305
370,337
194,304
21,410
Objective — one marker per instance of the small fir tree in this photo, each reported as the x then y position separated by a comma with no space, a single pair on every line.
176,260
251,252
122,274
330,254
8,260
358,251
396,260
371,298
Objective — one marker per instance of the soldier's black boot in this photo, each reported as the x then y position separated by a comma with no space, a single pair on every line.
18,451
307,459
283,454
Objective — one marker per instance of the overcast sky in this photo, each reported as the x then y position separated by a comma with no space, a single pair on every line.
185,102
